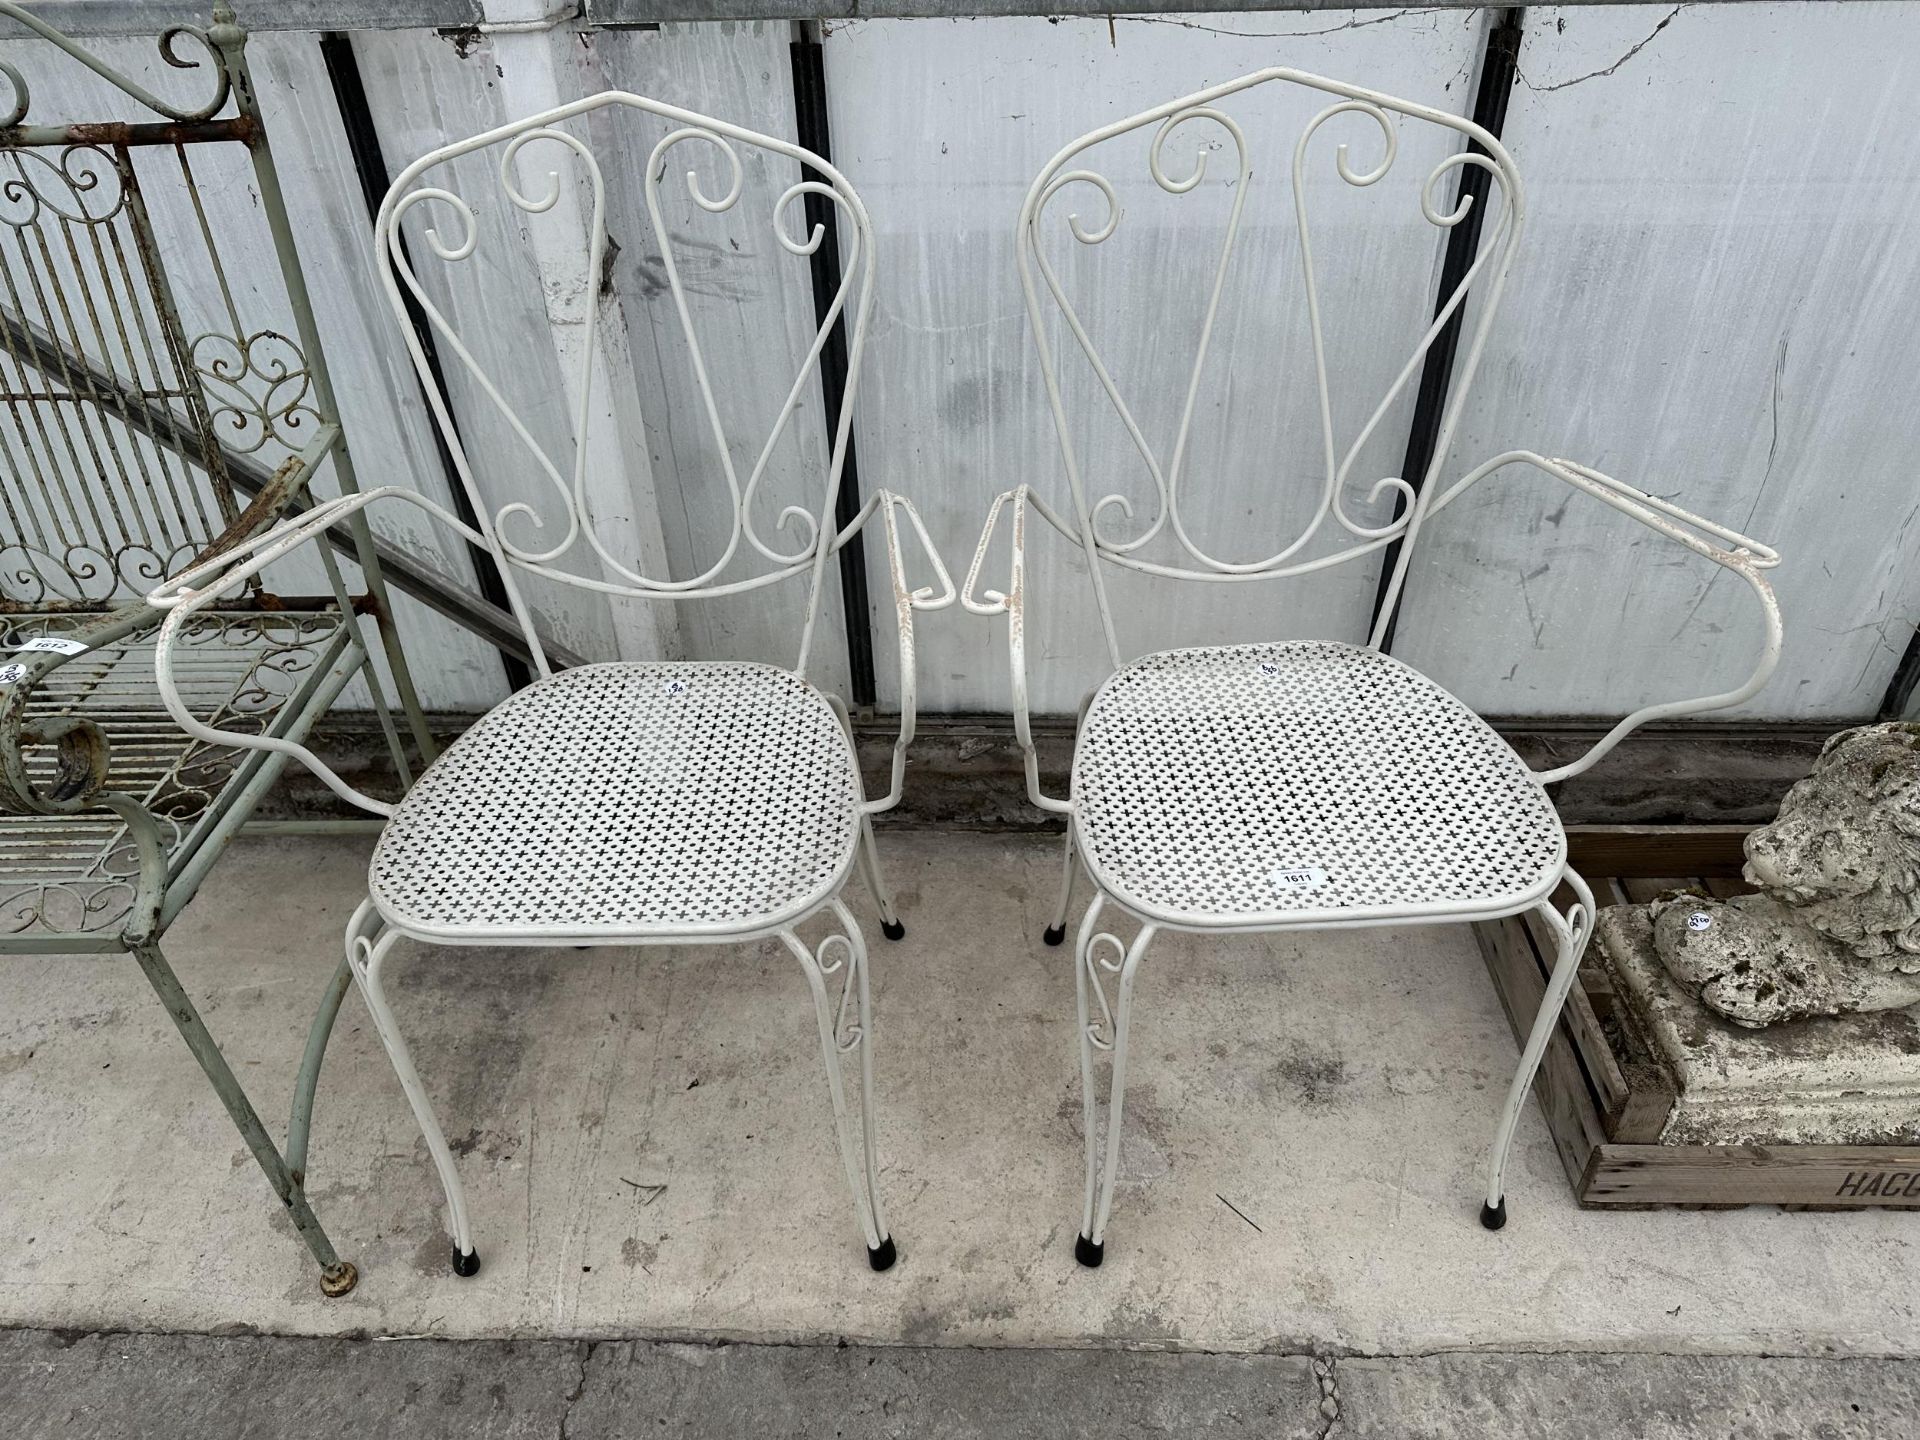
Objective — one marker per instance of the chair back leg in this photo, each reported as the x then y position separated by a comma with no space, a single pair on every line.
1056,930
876,878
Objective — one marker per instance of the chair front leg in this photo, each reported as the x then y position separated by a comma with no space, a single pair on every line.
876,878
1109,1032
368,945
868,852
1572,932
1057,931
838,1039
337,1276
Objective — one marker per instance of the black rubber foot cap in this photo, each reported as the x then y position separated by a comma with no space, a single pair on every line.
466,1263
1055,934
1088,1253
893,930
883,1258
1494,1216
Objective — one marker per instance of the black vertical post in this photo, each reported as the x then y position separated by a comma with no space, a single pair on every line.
810,121
1498,68
370,166
1906,677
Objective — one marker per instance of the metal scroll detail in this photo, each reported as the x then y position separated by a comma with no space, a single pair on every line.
1100,1029
1102,518
90,510
847,1030
94,504
208,42
529,540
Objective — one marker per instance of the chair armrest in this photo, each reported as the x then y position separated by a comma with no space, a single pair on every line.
906,600
1726,548
220,569
1012,604
83,748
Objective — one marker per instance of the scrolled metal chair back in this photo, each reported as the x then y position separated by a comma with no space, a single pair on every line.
800,540
1098,519
117,421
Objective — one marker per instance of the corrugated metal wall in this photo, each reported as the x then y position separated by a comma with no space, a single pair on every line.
1715,302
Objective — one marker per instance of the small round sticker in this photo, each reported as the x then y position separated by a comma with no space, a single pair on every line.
676,687
11,673
1267,667
1699,920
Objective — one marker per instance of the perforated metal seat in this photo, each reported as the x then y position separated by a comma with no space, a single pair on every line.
1303,783
628,798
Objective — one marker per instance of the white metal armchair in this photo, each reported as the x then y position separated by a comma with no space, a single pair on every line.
629,803
1295,785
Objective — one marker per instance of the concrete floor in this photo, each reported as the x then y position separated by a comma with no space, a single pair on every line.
195,1387
1337,1090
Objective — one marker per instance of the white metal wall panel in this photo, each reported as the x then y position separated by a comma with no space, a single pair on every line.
943,124
751,305
1716,302
425,91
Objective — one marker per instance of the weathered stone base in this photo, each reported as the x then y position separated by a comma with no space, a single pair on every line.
1845,1080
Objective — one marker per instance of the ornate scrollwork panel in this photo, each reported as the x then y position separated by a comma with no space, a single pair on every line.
1105,516
545,544
212,56
112,424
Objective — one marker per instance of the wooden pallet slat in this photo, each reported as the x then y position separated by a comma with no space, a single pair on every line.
1642,850
1599,1068
1824,1176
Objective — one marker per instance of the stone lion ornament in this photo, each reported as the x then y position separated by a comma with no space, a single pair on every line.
1836,926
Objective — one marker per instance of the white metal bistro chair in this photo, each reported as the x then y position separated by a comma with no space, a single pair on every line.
659,803
1305,785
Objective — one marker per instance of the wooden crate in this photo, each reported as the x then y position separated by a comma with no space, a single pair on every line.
1606,1108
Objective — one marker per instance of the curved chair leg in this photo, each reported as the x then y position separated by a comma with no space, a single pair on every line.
1057,931
863,1171
337,1276
1572,932
1108,1032
367,949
